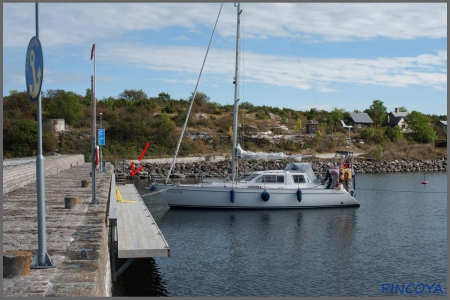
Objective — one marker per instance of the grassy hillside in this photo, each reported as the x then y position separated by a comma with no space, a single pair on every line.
132,119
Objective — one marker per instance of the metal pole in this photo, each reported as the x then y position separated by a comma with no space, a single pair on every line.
41,260
94,137
236,99
101,159
349,141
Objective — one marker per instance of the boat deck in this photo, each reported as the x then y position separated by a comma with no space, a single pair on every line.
137,233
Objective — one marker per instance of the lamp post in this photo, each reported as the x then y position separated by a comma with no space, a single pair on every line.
101,160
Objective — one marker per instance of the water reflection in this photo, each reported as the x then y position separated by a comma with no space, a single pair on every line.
141,278
243,245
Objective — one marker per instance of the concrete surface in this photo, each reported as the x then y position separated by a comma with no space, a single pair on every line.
69,231
19,172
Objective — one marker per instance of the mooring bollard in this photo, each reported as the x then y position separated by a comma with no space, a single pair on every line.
69,202
16,263
85,183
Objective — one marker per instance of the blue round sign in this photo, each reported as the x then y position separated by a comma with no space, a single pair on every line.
34,68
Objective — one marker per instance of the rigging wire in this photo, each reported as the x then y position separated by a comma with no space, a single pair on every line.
243,74
193,97
295,52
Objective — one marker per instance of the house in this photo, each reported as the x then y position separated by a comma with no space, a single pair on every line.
397,118
360,120
442,123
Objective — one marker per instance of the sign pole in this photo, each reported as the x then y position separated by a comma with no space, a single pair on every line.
41,260
94,138
100,144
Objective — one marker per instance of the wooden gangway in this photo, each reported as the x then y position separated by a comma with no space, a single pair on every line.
133,227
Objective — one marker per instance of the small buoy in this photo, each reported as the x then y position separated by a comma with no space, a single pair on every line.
232,196
424,181
299,195
265,196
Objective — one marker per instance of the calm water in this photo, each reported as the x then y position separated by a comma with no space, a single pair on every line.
394,237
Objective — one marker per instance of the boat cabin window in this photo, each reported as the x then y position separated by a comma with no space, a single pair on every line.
271,179
251,177
298,178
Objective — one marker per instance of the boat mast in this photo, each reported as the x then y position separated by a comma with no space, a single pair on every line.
236,99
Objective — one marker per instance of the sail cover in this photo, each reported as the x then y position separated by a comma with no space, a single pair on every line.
262,155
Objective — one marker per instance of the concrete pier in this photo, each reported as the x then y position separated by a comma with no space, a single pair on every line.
77,238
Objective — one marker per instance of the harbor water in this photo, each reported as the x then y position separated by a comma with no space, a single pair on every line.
395,244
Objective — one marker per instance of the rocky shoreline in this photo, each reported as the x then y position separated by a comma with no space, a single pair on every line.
223,168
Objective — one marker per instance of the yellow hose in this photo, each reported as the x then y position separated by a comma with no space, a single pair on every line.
119,197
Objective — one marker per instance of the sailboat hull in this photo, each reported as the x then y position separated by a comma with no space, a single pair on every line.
197,196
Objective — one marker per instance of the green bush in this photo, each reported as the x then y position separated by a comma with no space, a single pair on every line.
276,130
367,133
378,153
393,134
20,137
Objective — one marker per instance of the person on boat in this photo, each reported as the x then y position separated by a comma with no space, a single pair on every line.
328,176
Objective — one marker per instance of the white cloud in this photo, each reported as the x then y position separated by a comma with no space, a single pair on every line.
422,70
182,38
69,30
74,24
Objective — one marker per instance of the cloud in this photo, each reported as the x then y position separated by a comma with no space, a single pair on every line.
182,38
287,71
75,24
69,30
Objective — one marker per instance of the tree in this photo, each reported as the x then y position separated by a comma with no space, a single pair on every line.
367,133
420,126
378,112
298,125
164,97
402,109
200,98
19,104
393,133
336,115
20,137
246,105
311,115
133,95
87,99
65,105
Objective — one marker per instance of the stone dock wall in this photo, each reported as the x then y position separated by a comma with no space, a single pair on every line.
69,232
223,168
16,177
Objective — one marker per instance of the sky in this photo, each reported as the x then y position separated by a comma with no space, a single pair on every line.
292,55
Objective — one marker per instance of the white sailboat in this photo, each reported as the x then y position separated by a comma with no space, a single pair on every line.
294,187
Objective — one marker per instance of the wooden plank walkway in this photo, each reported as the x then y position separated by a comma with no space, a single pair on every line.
137,232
